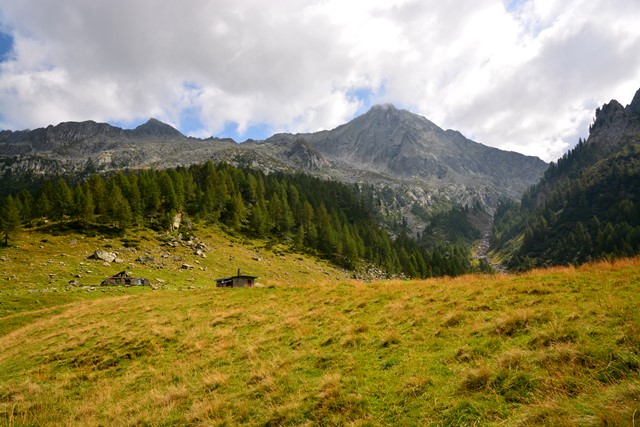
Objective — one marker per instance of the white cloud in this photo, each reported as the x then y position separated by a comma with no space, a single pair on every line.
523,75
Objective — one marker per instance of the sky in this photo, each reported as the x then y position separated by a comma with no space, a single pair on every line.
520,75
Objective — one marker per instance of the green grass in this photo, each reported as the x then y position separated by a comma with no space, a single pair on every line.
312,347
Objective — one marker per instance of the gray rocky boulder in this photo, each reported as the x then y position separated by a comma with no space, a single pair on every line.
103,255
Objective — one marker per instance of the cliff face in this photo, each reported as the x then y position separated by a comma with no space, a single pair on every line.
615,124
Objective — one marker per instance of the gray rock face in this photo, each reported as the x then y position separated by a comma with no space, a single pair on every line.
405,146
302,154
77,146
615,124
634,107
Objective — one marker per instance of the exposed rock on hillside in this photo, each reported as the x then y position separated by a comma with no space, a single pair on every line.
406,146
615,123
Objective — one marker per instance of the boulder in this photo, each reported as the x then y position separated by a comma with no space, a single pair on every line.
104,256
175,224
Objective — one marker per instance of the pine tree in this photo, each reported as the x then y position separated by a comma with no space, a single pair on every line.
118,209
98,189
26,203
10,222
134,198
259,223
235,212
62,202
150,193
85,208
43,205
168,196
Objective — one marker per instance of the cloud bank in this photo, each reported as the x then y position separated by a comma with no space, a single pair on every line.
521,75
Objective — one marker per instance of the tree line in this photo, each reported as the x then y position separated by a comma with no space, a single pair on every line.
331,219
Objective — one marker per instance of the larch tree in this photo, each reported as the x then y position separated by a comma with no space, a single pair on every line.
10,221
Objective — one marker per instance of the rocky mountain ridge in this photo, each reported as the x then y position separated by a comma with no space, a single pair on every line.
387,147
614,123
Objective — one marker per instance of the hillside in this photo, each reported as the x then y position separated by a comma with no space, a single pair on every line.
51,266
310,346
587,205
327,218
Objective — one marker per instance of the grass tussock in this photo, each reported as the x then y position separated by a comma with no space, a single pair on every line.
550,347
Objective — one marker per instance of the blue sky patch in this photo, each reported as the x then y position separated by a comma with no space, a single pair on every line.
6,45
258,132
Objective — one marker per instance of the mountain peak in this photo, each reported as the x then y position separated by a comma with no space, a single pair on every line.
634,107
154,127
384,107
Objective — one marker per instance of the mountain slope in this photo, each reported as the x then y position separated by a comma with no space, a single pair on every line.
588,204
406,146
552,347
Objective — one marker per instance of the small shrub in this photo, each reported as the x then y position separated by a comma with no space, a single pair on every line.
131,243
390,363
466,354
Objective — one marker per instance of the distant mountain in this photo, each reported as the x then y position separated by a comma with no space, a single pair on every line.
587,205
402,145
419,163
75,147
155,128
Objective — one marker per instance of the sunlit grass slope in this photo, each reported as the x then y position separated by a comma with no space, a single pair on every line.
554,347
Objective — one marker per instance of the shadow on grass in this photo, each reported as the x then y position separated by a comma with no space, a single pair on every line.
77,227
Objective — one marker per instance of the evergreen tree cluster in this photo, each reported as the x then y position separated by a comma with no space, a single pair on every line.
452,225
331,219
586,207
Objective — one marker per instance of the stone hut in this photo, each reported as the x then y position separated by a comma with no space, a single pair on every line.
124,278
238,281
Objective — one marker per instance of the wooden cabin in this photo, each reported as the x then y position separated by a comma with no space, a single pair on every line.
123,278
237,281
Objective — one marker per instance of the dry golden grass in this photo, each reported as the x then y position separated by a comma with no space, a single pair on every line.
550,347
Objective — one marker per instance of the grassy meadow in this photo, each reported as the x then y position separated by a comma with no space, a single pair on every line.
310,345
